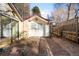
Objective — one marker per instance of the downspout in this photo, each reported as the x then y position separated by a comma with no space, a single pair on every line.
44,30
1,27
23,22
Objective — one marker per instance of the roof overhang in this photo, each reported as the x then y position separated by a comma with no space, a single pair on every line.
39,18
14,9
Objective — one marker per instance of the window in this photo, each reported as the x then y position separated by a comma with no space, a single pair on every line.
34,26
40,26
6,26
15,28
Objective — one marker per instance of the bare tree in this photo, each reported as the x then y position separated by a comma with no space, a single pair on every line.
69,5
60,12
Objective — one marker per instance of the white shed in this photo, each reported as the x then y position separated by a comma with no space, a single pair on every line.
36,26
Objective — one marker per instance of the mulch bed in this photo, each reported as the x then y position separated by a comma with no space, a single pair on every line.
20,49
26,47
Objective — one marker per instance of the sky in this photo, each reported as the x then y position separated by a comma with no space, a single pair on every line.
45,8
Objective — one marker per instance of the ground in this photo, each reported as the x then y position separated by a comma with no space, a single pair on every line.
41,46
33,46
63,47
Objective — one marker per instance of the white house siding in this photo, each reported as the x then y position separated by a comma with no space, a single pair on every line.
46,30
26,25
35,32
26,30
20,29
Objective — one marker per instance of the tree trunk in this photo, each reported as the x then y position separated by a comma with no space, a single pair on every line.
68,11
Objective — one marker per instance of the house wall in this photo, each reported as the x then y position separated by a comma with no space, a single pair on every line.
7,30
20,29
26,28
46,30
6,19
23,27
35,29
38,31
22,24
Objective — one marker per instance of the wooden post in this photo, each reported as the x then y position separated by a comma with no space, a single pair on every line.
76,22
18,31
11,32
50,30
76,28
44,30
1,27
